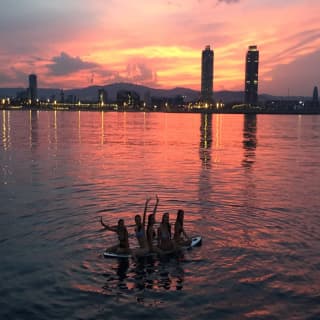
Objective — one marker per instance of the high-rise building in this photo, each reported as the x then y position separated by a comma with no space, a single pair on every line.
315,97
33,88
251,81
128,99
207,75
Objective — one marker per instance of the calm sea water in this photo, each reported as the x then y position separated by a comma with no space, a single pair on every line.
248,184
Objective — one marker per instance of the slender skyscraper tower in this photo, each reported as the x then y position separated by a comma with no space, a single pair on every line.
33,88
251,82
315,97
207,75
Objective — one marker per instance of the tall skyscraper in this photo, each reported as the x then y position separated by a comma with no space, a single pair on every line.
315,97
207,75
251,81
33,88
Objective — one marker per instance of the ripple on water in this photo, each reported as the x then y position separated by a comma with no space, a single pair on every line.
247,185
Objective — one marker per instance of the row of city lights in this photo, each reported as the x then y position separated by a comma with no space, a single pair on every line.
55,103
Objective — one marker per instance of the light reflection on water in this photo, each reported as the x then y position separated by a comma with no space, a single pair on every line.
248,184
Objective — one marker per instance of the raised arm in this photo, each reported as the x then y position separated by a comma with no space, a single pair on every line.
114,229
155,207
145,212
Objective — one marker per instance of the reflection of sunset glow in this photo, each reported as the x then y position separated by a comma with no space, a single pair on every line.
205,139
9,129
102,127
79,126
55,120
260,224
217,137
4,131
86,288
55,127
30,128
124,127
205,130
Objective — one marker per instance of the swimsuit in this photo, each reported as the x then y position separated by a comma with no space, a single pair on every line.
140,234
123,240
165,235
150,235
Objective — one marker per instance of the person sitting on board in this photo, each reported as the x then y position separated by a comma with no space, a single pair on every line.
151,234
180,237
140,232
165,243
121,231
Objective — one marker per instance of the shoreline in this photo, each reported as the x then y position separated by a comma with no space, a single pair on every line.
201,111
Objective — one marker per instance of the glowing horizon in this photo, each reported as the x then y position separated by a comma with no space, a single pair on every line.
159,44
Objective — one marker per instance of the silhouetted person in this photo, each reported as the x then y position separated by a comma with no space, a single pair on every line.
121,231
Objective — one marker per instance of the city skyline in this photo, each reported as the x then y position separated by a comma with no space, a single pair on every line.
158,44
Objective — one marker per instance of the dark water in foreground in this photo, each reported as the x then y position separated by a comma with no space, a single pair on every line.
249,185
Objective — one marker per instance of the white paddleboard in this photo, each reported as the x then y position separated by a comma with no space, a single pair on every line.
195,241
109,254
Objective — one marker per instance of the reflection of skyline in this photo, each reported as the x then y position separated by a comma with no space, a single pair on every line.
209,136
217,136
249,148
5,129
205,186
33,138
205,139
102,127
79,126
249,140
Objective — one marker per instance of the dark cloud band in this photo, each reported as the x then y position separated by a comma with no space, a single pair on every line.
65,64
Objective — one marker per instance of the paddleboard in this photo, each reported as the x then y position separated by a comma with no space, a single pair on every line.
195,241
109,254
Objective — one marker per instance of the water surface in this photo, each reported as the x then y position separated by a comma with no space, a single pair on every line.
248,184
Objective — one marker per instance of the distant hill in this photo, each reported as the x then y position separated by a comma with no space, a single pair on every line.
10,92
91,93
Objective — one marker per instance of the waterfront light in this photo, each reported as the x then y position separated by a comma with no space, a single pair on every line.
219,105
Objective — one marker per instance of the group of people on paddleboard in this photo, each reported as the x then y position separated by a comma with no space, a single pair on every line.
149,240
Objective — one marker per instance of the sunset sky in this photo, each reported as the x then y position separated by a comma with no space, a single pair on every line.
158,43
